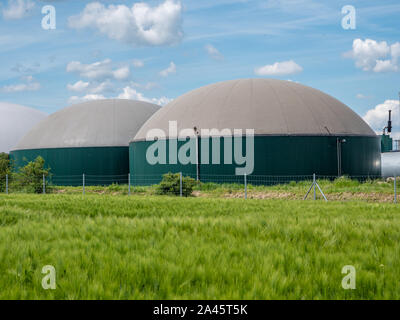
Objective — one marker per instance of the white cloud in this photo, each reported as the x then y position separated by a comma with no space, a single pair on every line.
127,93
213,52
377,118
147,86
78,86
161,101
360,96
279,69
138,63
122,73
169,70
99,70
132,94
385,66
371,55
138,25
91,88
18,9
30,85
101,87
88,97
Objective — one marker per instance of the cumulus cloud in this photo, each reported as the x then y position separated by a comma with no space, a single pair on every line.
139,25
214,52
131,93
88,97
279,69
91,87
377,118
99,70
30,85
128,92
146,86
17,9
138,63
24,69
105,86
169,70
78,86
371,55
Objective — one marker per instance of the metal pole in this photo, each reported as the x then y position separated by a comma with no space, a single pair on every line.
6,183
339,156
395,190
245,186
129,184
320,190
308,192
83,184
197,158
180,184
314,183
44,184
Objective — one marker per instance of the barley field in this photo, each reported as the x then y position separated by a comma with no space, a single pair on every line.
158,247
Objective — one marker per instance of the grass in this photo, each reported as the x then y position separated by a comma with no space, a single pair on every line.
339,189
148,247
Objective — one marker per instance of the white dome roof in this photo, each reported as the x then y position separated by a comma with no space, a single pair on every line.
100,123
15,122
270,107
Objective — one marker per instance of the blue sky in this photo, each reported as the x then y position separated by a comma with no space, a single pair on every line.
158,50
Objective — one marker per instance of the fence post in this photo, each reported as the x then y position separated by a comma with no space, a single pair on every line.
315,186
44,184
129,184
83,184
180,184
6,183
245,186
395,190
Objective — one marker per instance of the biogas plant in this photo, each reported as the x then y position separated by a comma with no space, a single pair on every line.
257,127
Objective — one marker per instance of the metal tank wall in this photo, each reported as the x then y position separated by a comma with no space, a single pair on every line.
101,165
391,164
274,156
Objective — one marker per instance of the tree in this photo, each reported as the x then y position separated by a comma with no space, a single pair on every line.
170,185
5,169
30,177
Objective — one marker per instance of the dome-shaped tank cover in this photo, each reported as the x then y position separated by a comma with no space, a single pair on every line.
15,122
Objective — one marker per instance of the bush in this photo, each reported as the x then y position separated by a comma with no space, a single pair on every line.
30,177
5,168
170,185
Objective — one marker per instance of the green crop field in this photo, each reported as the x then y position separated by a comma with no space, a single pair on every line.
156,247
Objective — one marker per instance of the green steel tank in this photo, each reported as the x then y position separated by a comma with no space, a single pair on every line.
297,131
90,138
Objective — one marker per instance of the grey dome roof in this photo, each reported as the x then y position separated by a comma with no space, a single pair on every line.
99,123
270,107
15,122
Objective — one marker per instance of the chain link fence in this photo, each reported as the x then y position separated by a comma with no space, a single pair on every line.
315,186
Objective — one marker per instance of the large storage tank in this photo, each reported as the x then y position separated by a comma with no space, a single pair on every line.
391,164
15,122
91,138
298,131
